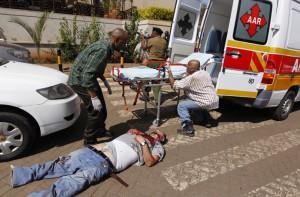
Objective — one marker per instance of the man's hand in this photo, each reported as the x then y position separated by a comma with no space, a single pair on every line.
107,86
171,78
149,159
140,139
96,103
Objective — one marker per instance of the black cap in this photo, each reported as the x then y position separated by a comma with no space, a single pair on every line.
157,30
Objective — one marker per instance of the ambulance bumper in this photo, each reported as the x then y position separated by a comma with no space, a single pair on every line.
262,99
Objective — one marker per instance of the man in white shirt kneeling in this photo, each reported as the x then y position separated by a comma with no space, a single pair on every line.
200,93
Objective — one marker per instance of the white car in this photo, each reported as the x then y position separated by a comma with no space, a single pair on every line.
34,101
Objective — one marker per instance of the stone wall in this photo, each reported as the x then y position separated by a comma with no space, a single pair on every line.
16,34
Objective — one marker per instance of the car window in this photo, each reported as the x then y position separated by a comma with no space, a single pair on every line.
3,61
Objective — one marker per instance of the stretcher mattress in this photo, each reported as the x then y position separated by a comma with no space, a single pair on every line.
146,73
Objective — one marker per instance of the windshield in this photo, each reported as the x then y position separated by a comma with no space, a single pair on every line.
3,61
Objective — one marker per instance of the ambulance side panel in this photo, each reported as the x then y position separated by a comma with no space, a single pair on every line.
287,45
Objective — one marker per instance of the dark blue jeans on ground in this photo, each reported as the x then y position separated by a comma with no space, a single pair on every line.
77,171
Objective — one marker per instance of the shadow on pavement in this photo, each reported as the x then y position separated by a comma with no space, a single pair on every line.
231,112
143,121
60,138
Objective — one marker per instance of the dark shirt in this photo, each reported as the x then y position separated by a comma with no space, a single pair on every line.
90,64
157,48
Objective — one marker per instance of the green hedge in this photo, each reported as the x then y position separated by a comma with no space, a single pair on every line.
156,13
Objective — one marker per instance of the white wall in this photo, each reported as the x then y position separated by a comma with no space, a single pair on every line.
16,34
146,26
154,3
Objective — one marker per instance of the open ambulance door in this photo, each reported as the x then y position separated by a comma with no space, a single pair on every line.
184,30
243,61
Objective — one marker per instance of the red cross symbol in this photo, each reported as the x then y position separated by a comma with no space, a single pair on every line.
253,20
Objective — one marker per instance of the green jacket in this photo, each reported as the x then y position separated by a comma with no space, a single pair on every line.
90,64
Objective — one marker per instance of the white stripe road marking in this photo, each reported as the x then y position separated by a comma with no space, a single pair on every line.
111,85
122,103
181,176
221,130
125,113
110,80
288,186
118,88
119,95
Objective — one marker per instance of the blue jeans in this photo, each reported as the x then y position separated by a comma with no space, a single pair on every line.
184,107
78,170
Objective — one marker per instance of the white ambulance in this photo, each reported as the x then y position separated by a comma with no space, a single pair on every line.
254,47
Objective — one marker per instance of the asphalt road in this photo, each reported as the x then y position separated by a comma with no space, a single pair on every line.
246,155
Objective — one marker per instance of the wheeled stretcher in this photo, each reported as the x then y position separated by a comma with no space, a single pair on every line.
142,77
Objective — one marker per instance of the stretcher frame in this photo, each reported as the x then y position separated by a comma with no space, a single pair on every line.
142,84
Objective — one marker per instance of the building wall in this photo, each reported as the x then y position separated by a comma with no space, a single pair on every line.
16,34
154,3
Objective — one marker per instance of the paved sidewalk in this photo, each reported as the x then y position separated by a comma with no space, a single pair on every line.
247,154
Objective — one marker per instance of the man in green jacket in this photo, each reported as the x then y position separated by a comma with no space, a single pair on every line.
89,65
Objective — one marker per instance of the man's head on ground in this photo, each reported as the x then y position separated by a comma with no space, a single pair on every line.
155,134
192,66
118,38
158,135
156,32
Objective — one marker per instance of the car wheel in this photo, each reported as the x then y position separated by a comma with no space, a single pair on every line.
282,111
16,135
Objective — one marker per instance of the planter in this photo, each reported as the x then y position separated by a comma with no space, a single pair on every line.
113,13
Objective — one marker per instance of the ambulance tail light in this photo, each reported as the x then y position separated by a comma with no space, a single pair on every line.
269,73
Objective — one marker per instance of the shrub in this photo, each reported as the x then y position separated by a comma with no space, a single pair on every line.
156,13
74,39
132,29
67,40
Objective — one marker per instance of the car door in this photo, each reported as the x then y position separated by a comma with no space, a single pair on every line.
249,36
184,30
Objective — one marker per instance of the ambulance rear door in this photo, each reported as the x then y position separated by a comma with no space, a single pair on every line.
248,36
184,28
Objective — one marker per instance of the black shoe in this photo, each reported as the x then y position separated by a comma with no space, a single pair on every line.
87,142
187,129
106,133
189,133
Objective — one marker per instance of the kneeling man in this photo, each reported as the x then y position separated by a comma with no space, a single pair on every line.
200,93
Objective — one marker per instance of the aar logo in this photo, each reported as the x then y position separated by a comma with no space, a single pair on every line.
254,20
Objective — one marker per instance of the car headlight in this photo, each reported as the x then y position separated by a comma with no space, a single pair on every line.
59,91
21,54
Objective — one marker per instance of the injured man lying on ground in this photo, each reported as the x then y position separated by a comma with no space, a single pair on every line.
90,165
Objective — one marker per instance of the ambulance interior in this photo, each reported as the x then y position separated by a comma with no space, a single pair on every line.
214,33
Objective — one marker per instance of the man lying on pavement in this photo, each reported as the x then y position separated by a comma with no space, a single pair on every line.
94,163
